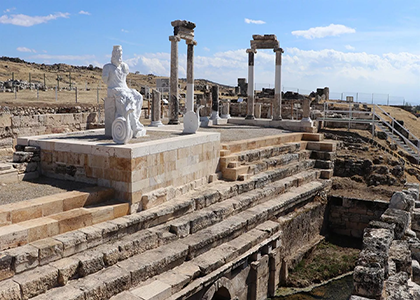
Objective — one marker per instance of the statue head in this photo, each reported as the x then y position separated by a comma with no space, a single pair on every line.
116,57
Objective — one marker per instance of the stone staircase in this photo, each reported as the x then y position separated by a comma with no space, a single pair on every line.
399,141
173,250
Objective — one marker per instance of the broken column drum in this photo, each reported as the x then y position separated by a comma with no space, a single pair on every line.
156,109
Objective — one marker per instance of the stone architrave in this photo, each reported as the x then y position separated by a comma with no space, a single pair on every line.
215,102
173,92
156,105
250,101
122,105
277,95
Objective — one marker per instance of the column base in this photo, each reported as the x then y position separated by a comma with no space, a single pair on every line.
249,117
173,122
156,124
277,118
214,115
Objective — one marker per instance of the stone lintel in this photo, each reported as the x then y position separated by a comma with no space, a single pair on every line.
264,44
251,50
278,50
264,37
183,23
175,38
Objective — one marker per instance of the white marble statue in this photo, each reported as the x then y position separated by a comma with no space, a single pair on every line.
128,102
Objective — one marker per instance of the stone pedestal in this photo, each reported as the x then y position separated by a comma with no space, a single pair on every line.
250,101
173,92
156,109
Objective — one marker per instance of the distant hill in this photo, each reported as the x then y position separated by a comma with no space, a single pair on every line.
80,75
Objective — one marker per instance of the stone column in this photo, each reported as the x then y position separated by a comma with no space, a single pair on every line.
156,109
173,92
215,102
190,75
258,110
225,110
277,95
250,102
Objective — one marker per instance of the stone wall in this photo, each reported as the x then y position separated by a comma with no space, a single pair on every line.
350,216
137,168
390,254
14,126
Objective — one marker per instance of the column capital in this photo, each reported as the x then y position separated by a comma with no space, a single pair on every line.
174,38
191,42
278,50
251,50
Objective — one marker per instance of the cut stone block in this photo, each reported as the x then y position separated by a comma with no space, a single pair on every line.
49,250
157,290
38,281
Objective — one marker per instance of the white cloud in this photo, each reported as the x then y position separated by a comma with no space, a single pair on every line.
250,21
27,21
321,32
24,49
396,74
206,49
9,10
349,47
123,30
82,12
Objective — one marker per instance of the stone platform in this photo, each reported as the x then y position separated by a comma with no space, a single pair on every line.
292,125
165,157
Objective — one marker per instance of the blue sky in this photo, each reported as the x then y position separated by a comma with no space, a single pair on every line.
364,46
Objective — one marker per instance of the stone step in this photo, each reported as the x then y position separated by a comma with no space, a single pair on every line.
73,242
34,229
108,280
233,173
260,153
195,221
9,176
5,167
266,141
13,213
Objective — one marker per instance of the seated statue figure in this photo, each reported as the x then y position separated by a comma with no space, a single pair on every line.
128,102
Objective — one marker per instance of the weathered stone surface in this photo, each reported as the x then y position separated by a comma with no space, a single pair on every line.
368,281
66,292
22,156
125,296
116,280
49,250
400,218
67,269
396,287
90,262
415,267
93,287
9,290
24,258
399,201
157,290
400,254
73,242
38,281
6,269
